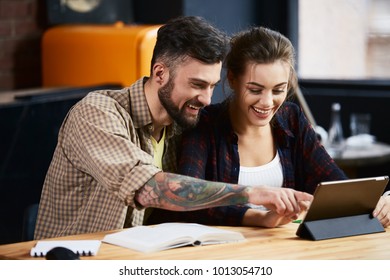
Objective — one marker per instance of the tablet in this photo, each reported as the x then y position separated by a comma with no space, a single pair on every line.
349,197
343,208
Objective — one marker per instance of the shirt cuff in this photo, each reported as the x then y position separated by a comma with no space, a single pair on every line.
386,193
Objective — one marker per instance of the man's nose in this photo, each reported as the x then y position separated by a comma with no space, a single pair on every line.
205,97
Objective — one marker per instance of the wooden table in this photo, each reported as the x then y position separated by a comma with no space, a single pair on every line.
269,244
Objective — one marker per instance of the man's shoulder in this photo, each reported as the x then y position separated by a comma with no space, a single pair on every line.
106,98
122,96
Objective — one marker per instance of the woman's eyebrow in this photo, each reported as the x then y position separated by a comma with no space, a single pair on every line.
260,85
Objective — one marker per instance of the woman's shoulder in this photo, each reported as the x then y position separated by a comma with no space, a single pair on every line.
291,106
290,116
289,110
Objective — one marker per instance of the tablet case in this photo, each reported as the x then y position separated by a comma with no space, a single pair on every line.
339,227
343,208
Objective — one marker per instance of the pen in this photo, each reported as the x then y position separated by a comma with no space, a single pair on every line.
297,221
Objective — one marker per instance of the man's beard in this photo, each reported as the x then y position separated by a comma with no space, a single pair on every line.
174,112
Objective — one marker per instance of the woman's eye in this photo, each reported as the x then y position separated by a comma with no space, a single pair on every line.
278,91
253,90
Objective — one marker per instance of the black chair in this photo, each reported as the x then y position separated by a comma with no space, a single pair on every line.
29,220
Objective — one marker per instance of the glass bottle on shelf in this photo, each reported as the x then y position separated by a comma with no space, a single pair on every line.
335,142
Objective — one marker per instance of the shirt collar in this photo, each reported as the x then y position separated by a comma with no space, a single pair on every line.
281,127
139,109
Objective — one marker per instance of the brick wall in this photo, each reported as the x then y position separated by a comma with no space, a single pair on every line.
21,26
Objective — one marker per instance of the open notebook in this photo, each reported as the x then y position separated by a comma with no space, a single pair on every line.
171,235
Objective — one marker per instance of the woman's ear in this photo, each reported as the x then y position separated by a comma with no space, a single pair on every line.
231,79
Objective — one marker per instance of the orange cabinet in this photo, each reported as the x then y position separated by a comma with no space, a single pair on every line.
85,55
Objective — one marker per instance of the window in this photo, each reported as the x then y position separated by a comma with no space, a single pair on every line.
344,39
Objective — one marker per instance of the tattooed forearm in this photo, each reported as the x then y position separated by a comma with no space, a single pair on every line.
181,193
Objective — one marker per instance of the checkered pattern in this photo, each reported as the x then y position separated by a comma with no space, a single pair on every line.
103,156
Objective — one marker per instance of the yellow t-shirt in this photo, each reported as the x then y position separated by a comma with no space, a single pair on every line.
158,148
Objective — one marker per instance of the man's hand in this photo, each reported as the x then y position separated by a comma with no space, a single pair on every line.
284,201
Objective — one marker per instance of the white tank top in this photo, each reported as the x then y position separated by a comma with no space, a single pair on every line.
270,174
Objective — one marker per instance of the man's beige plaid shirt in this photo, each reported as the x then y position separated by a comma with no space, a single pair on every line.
103,156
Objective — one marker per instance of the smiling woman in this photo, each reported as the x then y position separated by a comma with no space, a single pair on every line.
261,89
255,137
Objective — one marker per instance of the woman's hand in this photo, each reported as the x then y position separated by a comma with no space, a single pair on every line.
382,210
271,219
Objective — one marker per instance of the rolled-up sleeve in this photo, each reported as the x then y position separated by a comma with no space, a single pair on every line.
101,143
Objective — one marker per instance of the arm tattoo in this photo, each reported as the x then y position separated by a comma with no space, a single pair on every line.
183,193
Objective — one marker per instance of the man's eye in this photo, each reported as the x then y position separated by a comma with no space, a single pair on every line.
200,86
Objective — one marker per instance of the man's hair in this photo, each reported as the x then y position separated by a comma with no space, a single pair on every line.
189,36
